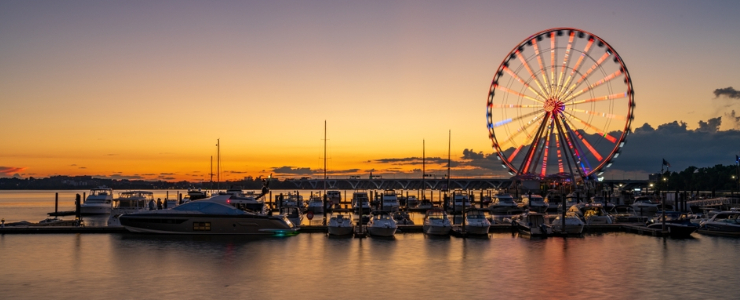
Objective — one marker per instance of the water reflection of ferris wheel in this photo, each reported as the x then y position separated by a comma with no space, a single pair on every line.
560,103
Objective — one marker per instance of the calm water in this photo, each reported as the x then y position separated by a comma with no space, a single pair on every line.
411,266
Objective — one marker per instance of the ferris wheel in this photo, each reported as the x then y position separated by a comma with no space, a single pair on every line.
560,104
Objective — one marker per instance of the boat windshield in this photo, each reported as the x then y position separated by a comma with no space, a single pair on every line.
209,208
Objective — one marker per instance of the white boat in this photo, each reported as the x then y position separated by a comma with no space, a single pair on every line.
460,200
534,202
644,206
591,213
334,198
293,214
382,225
436,222
476,223
725,223
315,205
402,218
290,200
194,194
245,201
340,225
130,202
360,201
389,200
98,202
216,215
532,224
573,224
503,204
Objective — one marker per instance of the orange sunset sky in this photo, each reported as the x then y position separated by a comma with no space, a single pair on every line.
143,89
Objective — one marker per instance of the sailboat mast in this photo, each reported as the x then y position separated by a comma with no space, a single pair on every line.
449,161
324,158
218,164
423,166
211,187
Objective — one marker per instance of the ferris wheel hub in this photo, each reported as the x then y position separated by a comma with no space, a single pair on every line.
554,105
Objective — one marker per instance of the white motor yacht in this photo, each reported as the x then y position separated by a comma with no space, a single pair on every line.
382,225
436,222
476,223
130,202
196,194
315,205
340,225
389,200
216,215
591,213
503,204
534,202
334,198
644,206
573,224
460,200
532,224
360,202
99,202
290,200
725,223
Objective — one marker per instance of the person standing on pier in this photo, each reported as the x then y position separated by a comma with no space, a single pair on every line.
151,204
159,203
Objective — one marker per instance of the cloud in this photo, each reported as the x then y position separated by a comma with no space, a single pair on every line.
734,120
412,161
728,91
121,176
111,154
236,172
291,170
83,167
710,126
166,173
470,154
6,171
73,165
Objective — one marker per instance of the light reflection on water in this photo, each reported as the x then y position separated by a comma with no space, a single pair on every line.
411,266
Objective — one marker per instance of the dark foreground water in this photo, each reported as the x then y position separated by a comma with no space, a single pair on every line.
411,266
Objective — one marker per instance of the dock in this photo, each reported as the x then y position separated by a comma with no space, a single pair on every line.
402,229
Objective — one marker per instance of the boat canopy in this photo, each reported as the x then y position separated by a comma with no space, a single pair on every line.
209,208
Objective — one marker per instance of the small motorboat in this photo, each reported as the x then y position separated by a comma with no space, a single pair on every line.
534,202
503,204
315,205
98,202
402,218
726,223
436,222
340,225
476,223
360,202
382,225
643,206
573,224
591,213
677,224
532,224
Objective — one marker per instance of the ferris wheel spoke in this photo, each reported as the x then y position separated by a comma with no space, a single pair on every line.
601,98
568,147
515,106
529,70
599,114
598,131
588,73
596,84
546,149
552,63
509,120
565,62
524,128
533,146
512,74
584,142
503,89
511,158
557,148
539,61
579,61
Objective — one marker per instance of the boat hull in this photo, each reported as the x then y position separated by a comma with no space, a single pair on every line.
340,230
477,230
381,231
676,230
206,224
437,229
95,210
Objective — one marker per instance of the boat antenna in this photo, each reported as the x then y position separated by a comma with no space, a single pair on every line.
324,158
211,174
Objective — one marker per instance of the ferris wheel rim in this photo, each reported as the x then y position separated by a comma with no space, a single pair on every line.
548,103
